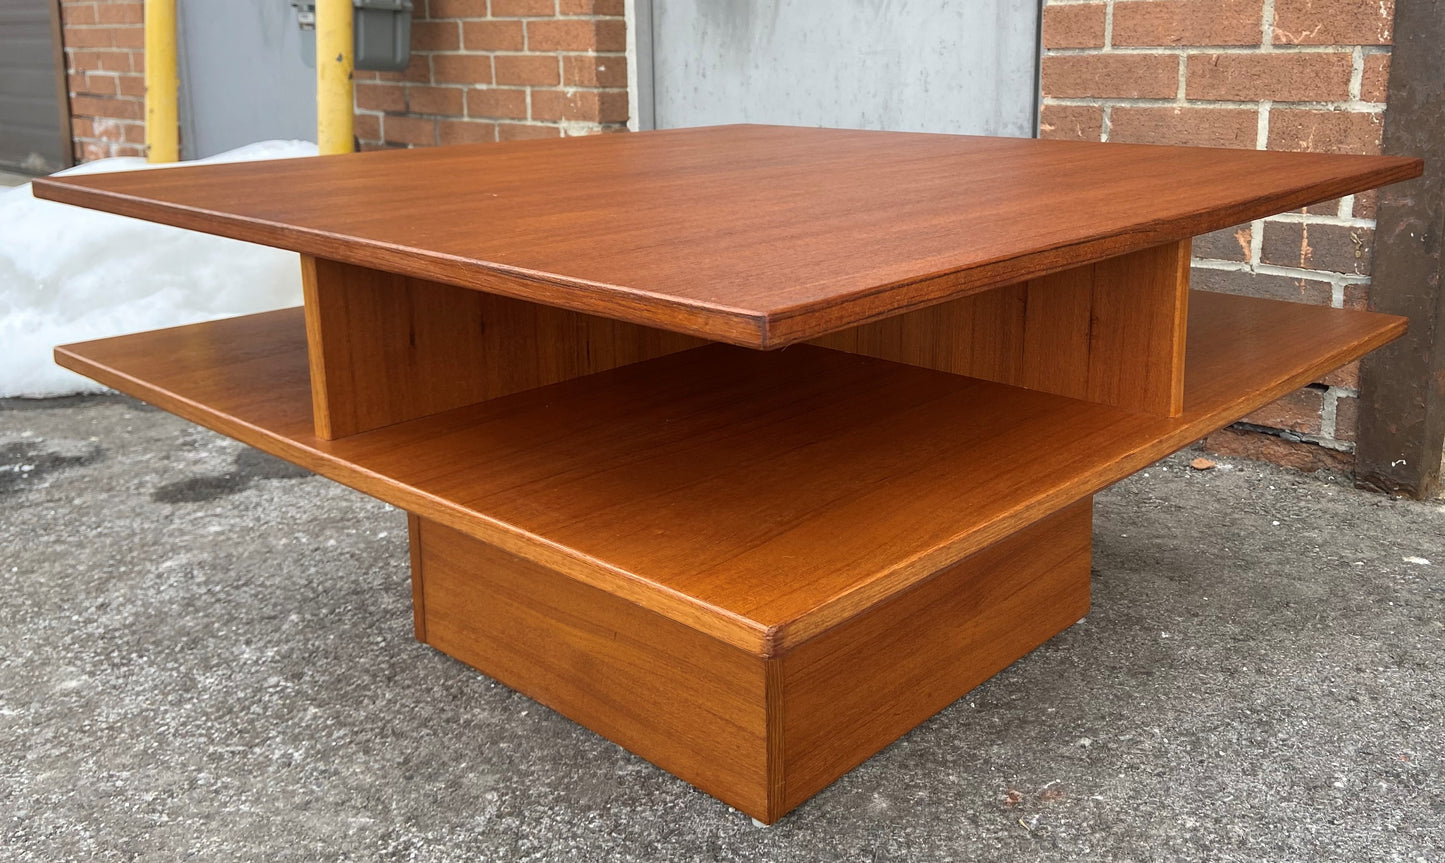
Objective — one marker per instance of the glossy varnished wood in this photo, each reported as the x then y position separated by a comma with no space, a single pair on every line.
854,689
760,733
756,235
759,497
387,348
683,700
1111,332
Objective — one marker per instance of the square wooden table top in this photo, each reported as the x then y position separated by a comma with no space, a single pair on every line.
756,235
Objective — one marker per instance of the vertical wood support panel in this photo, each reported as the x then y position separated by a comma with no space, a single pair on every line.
762,733
386,348
1110,332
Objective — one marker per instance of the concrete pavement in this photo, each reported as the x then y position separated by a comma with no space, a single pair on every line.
206,654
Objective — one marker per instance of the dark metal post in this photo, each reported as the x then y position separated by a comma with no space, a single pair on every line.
1402,386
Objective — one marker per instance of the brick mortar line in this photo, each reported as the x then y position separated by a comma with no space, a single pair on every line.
1351,107
1329,405
1321,219
1342,280
1251,50
540,19
1357,74
579,128
1295,436
1328,443
1279,270
418,115
450,85
558,16
522,52
1256,243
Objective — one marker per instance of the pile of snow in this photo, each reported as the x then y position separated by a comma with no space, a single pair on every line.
69,274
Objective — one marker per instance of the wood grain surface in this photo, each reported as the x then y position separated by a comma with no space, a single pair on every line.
856,688
762,734
762,497
687,702
387,348
756,235
1112,332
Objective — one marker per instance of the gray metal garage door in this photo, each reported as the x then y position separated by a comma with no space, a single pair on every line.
967,66
30,99
242,76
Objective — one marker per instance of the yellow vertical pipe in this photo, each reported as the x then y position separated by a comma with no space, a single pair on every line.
163,137
335,117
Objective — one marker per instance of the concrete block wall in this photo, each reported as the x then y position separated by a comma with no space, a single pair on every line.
105,64
1307,75
490,70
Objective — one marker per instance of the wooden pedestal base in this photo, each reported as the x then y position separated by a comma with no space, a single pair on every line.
762,733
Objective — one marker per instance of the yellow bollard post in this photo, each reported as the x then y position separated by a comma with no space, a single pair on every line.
335,118
163,137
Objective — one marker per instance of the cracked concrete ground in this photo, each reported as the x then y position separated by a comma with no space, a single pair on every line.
206,654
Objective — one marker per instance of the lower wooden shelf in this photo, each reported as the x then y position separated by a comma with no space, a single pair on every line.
755,569
759,497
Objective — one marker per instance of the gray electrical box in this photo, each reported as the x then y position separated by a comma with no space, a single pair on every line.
382,33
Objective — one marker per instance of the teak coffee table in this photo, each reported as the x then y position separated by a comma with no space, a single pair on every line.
749,448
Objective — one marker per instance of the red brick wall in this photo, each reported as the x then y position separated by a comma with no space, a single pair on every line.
482,70
1269,74
104,59
487,70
